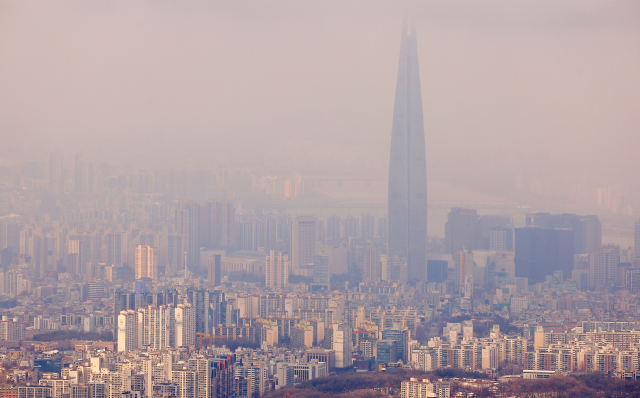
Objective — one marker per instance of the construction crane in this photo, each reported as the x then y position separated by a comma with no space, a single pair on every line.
204,336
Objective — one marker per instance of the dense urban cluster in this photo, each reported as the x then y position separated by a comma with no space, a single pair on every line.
110,290
203,283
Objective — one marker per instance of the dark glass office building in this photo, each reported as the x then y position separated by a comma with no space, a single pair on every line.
542,251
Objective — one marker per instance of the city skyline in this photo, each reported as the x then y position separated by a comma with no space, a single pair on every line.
238,200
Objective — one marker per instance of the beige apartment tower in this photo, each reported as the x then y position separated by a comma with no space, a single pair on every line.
145,262
277,270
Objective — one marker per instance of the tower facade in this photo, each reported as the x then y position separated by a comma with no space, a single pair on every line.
145,264
407,203
304,242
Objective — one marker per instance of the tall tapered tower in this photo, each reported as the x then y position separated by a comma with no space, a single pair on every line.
407,205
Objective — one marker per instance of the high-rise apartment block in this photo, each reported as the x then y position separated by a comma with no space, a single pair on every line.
603,267
277,270
217,226
175,254
187,224
341,343
127,336
114,245
145,262
185,325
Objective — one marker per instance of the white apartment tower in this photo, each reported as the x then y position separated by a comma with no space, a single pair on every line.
127,331
342,345
277,270
154,326
185,325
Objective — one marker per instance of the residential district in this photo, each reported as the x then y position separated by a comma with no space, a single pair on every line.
123,292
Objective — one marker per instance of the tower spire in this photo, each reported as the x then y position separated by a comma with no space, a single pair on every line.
407,200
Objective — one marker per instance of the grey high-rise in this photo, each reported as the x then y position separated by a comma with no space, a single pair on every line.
407,167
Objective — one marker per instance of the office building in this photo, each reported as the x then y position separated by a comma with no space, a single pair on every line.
486,223
402,338
501,239
462,231
504,270
304,243
542,251
407,201
386,351
465,268
326,356
321,272
214,270
587,230
437,271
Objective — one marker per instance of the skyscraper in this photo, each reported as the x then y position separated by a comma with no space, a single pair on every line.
462,232
303,242
542,251
407,203
213,274
587,230
321,272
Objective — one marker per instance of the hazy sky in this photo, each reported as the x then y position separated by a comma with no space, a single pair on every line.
535,88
